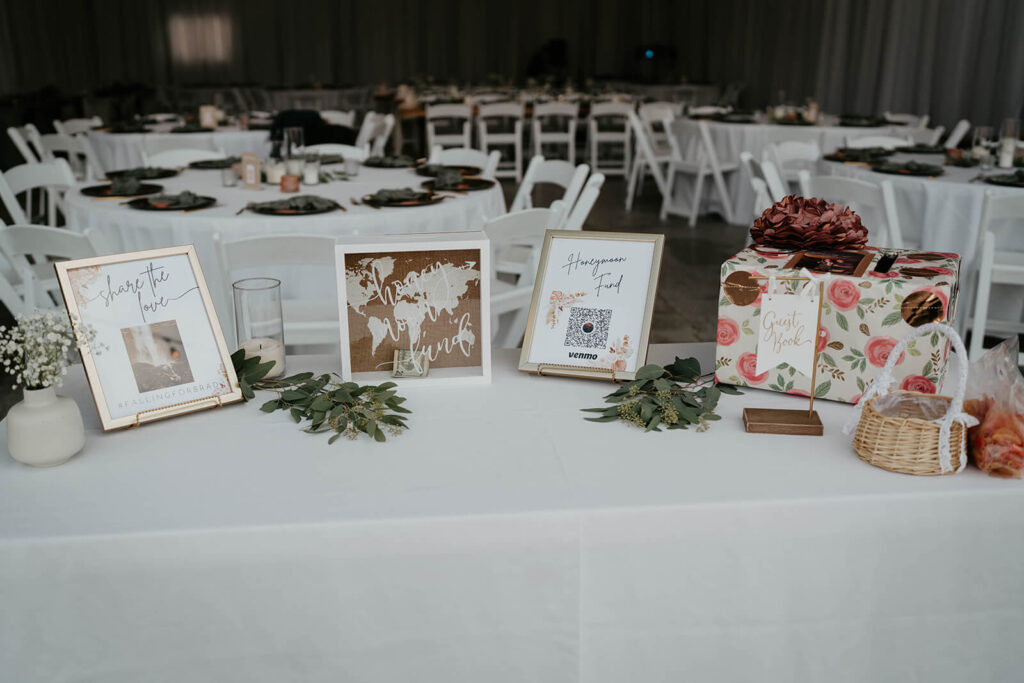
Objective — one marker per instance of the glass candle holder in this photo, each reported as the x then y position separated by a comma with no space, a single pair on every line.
294,139
351,167
259,320
311,171
289,183
1008,134
229,176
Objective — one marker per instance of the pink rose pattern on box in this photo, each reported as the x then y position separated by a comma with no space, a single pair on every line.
861,323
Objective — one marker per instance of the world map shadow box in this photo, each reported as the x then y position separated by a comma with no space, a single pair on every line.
415,301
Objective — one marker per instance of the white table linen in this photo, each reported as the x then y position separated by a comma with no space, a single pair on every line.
502,539
118,151
125,229
730,139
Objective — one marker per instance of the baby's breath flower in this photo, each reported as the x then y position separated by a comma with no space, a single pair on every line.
37,351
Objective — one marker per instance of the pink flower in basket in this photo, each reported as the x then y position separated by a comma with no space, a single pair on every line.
877,350
747,367
919,384
728,331
843,294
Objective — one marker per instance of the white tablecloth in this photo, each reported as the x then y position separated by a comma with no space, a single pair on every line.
125,229
502,539
124,150
730,139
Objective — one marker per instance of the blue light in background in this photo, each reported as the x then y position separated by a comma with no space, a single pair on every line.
649,54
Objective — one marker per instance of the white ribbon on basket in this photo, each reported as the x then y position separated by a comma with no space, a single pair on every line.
885,380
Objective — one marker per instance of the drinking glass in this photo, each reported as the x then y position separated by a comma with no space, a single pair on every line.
229,176
351,167
259,321
1008,134
294,143
981,147
311,171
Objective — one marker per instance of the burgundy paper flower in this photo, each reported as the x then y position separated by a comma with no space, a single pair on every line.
809,223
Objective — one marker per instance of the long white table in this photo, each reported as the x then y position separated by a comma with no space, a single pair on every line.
117,151
502,539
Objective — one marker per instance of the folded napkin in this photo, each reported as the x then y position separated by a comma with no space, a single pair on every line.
448,179
863,153
390,161
909,166
306,202
431,169
181,200
125,185
215,163
397,195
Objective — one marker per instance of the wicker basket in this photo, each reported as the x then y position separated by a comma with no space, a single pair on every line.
905,439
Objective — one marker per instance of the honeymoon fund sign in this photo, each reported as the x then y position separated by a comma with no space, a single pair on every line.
592,303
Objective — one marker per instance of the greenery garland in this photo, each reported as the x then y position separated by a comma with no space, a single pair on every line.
674,396
345,408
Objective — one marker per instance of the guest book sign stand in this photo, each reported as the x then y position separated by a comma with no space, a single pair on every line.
789,324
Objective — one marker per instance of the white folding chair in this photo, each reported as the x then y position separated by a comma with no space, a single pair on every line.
762,195
459,156
79,153
444,116
493,122
364,138
886,141
381,134
556,172
792,156
608,124
554,124
997,263
653,115
155,144
76,126
339,118
32,249
646,160
958,133
175,158
9,296
19,137
346,151
55,177
875,204
701,161
911,120
306,320
523,230
588,197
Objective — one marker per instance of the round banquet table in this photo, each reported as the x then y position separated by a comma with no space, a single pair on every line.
944,214
501,539
730,139
124,229
117,151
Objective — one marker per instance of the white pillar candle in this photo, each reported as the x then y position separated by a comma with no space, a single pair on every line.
267,350
274,172
311,174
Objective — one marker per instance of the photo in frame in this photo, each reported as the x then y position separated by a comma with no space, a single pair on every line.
424,293
159,349
592,304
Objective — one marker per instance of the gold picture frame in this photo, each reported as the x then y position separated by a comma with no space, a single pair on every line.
179,377
645,297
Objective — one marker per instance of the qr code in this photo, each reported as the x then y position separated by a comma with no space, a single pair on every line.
588,327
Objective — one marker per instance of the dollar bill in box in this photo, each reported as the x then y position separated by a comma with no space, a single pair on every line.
872,299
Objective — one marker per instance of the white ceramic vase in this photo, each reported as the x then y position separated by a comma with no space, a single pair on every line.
44,429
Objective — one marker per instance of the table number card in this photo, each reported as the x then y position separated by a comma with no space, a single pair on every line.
788,330
251,171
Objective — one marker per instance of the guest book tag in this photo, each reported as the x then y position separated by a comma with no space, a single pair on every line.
251,171
788,329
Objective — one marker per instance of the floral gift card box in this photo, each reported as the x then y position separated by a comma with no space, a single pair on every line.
872,299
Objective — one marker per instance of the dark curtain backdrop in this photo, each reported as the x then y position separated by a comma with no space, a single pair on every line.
951,58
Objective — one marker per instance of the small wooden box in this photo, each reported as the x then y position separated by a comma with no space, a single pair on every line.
778,421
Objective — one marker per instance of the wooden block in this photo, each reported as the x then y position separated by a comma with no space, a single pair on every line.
775,421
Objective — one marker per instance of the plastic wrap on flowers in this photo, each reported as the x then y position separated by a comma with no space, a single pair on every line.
809,223
995,395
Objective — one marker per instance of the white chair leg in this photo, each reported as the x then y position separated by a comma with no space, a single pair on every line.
981,297
698,192
723,194
631,186
666,197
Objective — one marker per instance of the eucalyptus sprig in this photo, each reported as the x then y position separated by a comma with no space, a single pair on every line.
674,396
345,408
